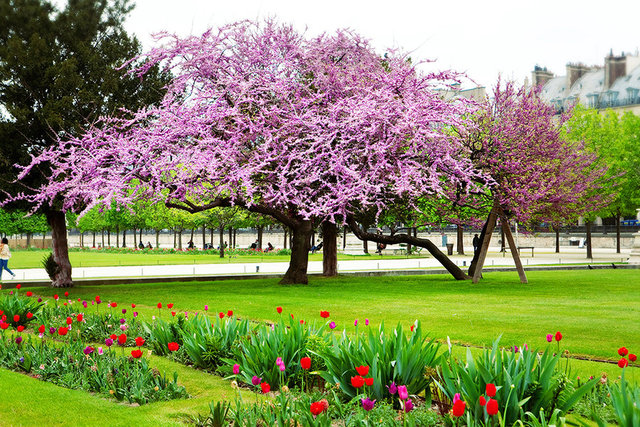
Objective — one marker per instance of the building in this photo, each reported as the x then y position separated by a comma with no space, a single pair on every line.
614,85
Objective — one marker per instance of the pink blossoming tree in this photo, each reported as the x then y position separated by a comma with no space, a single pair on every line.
260,116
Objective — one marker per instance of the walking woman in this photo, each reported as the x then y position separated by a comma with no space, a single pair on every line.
5,254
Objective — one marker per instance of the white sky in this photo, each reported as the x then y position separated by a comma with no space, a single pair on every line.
482,38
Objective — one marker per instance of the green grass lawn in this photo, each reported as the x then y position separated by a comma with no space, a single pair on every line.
33,258
596,311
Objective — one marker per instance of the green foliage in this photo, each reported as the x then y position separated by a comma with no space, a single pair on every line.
526,382
11,305
67,366
162,333
626,402
391,356
50,266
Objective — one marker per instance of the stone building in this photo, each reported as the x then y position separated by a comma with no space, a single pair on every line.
614,85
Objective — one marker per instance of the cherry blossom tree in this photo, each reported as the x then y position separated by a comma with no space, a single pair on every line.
260,116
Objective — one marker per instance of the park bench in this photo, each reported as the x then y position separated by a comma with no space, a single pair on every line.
526,247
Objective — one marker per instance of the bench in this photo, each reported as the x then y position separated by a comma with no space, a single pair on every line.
526,247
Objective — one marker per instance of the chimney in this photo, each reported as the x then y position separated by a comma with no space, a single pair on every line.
574,72
614,68
540,76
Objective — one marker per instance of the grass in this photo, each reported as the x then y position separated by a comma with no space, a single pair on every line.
596,311
33,258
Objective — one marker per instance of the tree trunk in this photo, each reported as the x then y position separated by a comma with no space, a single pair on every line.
618,233
502,245
557,230
175,238
117,237
230,236
344,238
589,252
451,267
460,239
135,238
93,242
476,254
409,244
60,249
180,238
235,234
329,249
313,238
260,228
365,246
211,232
157,239
140,239
285,237
193,230
221,229
506,230
108,238
484,248
204,236
28,240
102,237
124,238
297,272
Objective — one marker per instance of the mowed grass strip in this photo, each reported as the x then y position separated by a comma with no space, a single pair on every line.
597,311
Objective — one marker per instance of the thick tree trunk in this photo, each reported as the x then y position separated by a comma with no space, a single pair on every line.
193,230
329,249
60,249
175,238
300,246
157,239
29,240
589,252
344,238
230,237
285,237
557,230
618,233
506,230
93,242
460,239
108,238
451,267
476,254
365,246
484,247
180,238
124,238
204,236
313,238
221,229
235,234
135,238
117,237
260,228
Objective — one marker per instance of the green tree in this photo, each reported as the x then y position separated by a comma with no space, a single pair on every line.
616,140
58,72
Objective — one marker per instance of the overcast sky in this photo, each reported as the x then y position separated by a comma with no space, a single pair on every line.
482,38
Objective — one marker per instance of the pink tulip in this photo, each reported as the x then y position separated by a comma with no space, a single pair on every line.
402,392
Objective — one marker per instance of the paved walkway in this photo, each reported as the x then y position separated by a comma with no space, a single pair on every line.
568,255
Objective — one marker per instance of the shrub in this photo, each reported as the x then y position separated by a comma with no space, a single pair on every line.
50,266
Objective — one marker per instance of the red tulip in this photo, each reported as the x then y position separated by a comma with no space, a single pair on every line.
16,318
173,313
368,381
159,305
4,325
458,408
133,306
558,336
79,317
122,339
113,337
412,326
357,381
221,315
632,357
20,328
173,346
29,315
41,329
305,363
491,390
279,310
139,341
66,294
63,331
362,370
170,305
114,305
69,320
623,363
266,388
229,313
492,407
482,401
29,293
324,314
136,354
317,408
622,351
55,297
18,286
97,297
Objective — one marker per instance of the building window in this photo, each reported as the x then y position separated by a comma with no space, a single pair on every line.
632,94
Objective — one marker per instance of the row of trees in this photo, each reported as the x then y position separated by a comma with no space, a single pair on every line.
315,133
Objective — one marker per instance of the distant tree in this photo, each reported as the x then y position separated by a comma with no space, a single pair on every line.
58,73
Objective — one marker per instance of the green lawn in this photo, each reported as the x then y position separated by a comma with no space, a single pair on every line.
33,258
597,312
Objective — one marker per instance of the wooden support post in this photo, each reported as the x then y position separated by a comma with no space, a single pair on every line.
514,251
491,223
